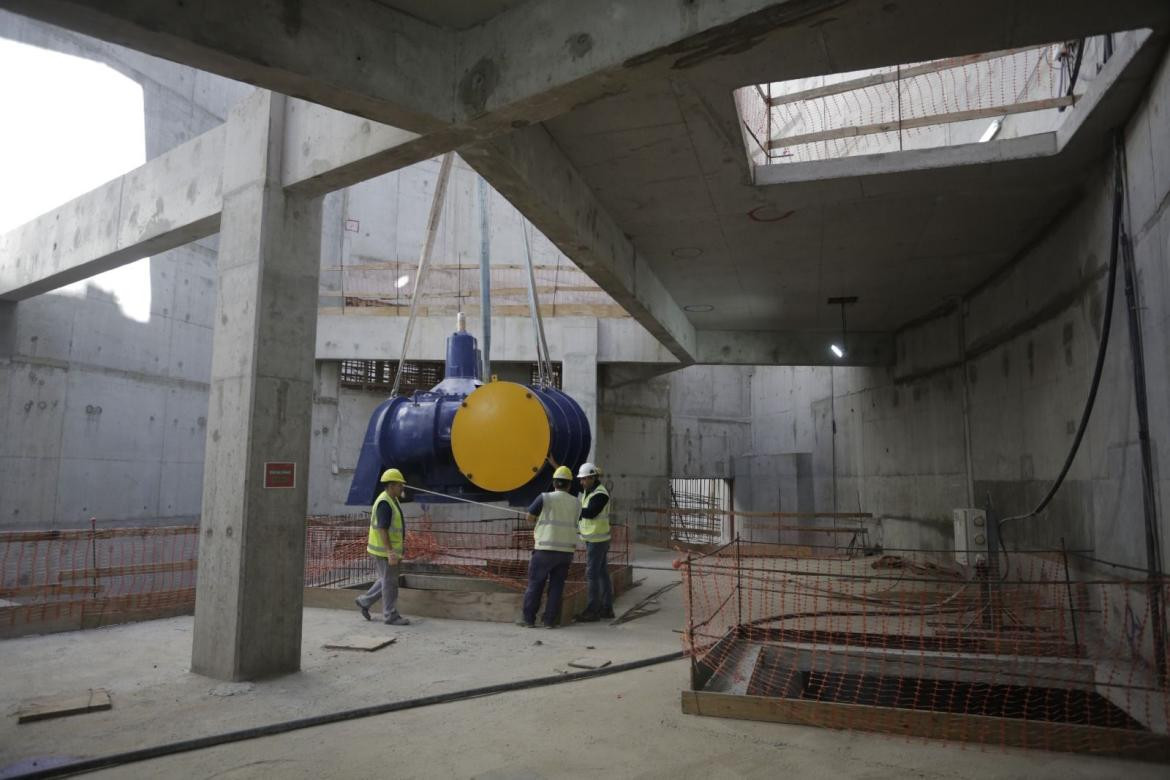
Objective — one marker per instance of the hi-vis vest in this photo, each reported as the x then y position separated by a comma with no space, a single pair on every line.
597,529
373,543
557,527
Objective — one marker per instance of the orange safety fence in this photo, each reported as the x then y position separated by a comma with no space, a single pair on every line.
1039,656
491,548
66,577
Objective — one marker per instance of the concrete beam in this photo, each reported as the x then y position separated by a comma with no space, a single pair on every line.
366,337
170,201
528,169
329,149
356,56
783,348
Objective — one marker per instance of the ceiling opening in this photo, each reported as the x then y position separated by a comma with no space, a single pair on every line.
919,105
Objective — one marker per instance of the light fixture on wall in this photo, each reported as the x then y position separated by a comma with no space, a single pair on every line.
840,350
402,281
991,131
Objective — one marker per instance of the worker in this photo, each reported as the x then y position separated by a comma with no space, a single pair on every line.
594,530
385,543
556,515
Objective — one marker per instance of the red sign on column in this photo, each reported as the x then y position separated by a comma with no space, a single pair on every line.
280,474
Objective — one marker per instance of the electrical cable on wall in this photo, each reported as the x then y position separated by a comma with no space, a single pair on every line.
1103,344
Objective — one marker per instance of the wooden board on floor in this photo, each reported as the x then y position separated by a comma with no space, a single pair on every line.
365,642
953,727
61,706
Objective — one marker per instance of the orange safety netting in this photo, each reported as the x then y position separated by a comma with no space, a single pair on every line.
66,579
907,642
76,578
496,549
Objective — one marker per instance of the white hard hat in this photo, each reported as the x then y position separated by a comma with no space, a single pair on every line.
588,470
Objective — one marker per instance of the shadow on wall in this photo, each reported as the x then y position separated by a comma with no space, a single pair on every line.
102,415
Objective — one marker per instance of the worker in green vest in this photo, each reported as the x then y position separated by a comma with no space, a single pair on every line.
556,514
594,530
387,530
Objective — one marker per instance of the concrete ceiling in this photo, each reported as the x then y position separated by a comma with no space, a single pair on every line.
611,125
666,159
453,14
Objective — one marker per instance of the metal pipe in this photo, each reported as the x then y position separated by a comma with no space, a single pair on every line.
485,281
424,261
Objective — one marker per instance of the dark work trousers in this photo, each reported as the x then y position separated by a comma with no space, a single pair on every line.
551,566
597,573
385,588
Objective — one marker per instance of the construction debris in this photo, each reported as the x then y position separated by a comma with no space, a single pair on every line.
364,642
590,662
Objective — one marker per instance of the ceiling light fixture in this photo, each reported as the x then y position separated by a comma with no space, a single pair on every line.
839,350
698,307
991,131
402,280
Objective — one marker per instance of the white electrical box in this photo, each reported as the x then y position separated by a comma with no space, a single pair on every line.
970,536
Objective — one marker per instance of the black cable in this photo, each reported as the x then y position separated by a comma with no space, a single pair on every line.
1102,347
201,743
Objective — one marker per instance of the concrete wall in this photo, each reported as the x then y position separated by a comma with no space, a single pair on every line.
1029,337
102,415
690,423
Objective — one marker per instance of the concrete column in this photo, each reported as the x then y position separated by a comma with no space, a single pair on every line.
7,328
251,552
579,370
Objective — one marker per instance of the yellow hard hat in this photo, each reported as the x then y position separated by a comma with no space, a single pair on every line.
564,473
392,475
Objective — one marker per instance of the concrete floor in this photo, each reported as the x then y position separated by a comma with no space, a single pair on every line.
625,725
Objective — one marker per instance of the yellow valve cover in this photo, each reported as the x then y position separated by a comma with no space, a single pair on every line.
500,436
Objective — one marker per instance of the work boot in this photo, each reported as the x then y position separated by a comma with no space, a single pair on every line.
586,617
397,620
607,614
364,609
525,623
551,625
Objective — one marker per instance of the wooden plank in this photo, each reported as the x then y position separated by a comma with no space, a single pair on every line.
61,706
934,665
952,727
466,605
453,583
875,79
102,533
48,590
363,642
922,121
124,571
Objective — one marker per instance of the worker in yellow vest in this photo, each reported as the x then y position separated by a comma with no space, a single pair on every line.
555,535
385,544
594,530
